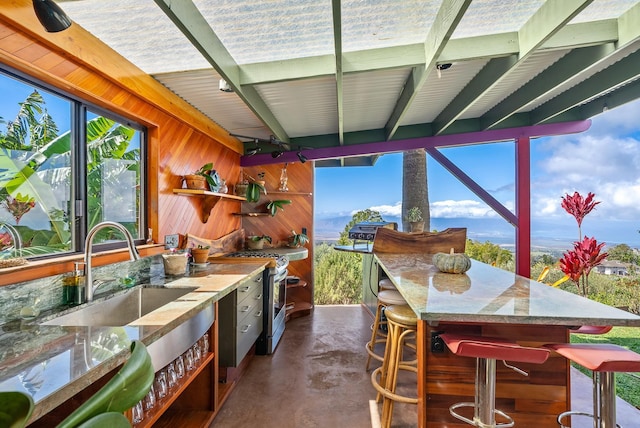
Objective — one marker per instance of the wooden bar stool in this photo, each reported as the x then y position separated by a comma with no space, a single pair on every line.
401,322
487,350
385,298
604,360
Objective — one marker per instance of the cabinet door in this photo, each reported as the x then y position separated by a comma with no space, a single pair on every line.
370,278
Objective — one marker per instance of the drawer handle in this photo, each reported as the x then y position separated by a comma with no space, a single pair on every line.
245,308
258,279
245,289
259,296
245,328
258,314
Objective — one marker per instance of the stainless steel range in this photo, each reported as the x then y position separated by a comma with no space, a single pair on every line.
275,288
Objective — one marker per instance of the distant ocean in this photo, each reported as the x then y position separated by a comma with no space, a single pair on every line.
545,235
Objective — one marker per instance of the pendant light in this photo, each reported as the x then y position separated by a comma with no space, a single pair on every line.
52,18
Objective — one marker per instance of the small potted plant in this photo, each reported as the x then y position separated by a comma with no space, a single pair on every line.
255,187
297,239
415,219
200,254
256,242
273,206
202,177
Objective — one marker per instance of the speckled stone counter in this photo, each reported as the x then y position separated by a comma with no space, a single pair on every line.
486,294
64,360
487,301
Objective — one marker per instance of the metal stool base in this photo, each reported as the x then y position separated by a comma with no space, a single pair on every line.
476,421
561,416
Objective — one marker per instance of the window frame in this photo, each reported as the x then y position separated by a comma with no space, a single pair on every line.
78,156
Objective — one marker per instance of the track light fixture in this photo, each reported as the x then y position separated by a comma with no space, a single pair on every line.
440,67
276,154
302,157
252,151
52,18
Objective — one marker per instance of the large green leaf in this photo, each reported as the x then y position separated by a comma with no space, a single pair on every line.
15,409
107,420
124,390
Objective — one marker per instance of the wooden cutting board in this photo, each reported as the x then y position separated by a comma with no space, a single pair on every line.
207,283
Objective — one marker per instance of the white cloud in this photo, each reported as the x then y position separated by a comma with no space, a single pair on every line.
457,209
386,210
608,166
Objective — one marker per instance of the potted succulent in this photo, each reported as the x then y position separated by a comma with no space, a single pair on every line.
256,242
297,239
200,254
202,177
273,206
416,221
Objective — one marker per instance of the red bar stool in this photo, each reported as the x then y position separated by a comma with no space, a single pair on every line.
401,322
487,350
604,360
385,298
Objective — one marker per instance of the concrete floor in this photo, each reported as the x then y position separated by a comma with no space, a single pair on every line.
316,378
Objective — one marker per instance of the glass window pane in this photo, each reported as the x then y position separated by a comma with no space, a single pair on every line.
113,176
35,169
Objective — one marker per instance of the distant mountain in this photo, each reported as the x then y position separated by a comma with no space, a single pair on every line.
544,233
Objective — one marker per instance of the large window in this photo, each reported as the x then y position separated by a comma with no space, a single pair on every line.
64,167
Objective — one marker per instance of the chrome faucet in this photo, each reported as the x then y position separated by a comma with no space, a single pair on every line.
89,287
15,236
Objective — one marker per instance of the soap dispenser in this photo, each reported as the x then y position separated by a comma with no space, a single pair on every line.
73,286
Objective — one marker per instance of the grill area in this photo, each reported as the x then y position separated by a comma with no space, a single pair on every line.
366,231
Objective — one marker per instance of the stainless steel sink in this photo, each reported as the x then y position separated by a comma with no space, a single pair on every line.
121,309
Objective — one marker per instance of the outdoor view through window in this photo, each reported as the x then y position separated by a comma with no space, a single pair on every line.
56,183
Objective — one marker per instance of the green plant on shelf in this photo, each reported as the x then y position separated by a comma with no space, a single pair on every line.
298,239
273,206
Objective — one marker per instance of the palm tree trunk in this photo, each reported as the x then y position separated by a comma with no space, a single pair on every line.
414,186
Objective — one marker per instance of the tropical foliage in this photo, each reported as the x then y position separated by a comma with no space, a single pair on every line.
586,254
36,173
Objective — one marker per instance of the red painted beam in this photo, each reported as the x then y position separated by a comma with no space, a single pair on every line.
523,206
422,143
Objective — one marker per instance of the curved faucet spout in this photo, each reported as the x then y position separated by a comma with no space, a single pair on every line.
15,236
88,243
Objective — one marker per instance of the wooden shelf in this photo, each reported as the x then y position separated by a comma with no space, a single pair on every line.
163,406
199,192
209,199
271,192
251,214
300,283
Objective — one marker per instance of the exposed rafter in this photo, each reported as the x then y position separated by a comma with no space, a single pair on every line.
548,20
448,17
337,41
186,16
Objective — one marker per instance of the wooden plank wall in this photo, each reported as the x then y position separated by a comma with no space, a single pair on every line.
180,138
533,400
296,215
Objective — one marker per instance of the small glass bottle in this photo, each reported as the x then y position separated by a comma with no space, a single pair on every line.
283,179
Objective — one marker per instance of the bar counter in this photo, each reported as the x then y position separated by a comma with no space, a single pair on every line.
491,302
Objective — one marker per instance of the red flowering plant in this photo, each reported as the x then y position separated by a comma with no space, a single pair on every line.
586,254
18,206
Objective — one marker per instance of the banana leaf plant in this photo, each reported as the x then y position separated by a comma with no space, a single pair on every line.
104,409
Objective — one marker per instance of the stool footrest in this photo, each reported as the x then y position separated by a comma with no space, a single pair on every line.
564,415
477,423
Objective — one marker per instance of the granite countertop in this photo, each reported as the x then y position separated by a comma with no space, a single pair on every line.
53,362
486,294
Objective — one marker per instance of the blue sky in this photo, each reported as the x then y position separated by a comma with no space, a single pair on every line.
604,160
